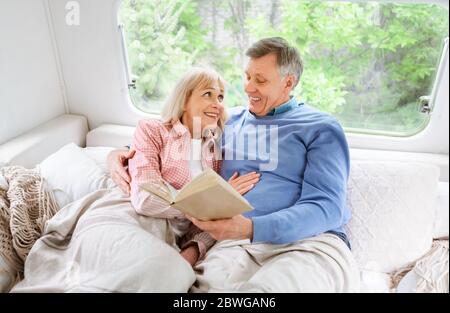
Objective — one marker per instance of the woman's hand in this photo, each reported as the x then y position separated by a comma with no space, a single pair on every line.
190,254
117,161
244,183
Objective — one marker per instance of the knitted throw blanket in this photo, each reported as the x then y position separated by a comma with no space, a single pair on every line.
431,270
25,206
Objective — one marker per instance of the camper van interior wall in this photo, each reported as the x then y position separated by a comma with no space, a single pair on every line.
294,141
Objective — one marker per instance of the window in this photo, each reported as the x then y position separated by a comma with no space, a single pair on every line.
365,63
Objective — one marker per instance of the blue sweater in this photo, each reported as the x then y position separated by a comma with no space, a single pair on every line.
302,190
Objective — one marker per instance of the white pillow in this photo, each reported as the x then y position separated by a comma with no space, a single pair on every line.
72,174
441,222
99,155
392,207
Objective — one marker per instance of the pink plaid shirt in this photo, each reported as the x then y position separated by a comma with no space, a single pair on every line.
162,152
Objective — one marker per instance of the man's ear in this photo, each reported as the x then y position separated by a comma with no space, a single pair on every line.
290,82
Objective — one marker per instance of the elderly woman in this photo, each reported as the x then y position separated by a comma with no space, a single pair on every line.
100,244
179,147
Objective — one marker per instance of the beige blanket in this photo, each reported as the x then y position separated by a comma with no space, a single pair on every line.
99,244
318,264
25,206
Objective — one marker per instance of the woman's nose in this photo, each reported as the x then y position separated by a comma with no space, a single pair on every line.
218,103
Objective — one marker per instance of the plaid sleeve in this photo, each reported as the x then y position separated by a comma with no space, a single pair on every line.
196,236
145,167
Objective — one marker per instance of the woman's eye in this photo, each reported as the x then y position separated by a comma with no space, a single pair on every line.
221,97
207,94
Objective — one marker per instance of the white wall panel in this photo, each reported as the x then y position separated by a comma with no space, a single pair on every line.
92,63
30,91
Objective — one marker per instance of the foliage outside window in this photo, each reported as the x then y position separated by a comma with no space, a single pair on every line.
365,63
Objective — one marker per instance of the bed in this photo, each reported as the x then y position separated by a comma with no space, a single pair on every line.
399,207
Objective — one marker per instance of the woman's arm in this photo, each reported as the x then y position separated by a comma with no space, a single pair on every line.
145,167
198,239
117,162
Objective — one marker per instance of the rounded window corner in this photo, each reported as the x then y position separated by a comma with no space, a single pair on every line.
371,88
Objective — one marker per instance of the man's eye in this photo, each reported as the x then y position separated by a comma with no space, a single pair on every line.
260,81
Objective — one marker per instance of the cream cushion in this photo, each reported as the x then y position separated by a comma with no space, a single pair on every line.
441,222
35,145
393,212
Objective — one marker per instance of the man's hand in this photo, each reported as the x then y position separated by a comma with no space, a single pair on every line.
190,254
244,183
237,227
117,161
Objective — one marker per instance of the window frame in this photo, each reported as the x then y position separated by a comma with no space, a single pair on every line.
356,136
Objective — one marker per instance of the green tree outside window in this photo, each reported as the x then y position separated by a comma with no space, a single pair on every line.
365,63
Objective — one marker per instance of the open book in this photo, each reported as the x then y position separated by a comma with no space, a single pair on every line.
207,197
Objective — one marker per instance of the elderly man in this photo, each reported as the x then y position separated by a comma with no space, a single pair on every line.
293,240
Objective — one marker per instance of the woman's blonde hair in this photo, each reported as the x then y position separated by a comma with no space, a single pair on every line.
196,77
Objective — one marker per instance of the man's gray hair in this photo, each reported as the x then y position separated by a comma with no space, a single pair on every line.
288,57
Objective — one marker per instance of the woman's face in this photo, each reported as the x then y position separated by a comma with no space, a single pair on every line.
206,106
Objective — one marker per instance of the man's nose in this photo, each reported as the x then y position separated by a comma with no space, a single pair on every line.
249,87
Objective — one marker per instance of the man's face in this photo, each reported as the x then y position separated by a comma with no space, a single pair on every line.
264,85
